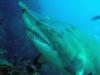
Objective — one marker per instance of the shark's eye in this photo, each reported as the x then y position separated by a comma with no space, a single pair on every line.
23,10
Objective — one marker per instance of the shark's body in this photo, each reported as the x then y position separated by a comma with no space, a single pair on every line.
70,51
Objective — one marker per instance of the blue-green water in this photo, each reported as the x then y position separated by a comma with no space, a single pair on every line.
22,52
76,12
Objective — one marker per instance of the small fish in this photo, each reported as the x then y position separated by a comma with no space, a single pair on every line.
96,18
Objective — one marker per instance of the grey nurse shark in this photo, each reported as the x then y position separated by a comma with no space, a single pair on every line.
71,51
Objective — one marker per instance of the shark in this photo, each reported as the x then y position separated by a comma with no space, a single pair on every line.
44,48
72,51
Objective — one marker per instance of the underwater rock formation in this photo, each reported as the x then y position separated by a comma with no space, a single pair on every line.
15,47
6,68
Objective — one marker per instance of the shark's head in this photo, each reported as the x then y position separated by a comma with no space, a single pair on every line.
22,5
